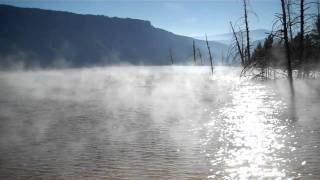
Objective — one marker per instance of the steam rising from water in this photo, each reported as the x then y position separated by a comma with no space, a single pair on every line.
155,122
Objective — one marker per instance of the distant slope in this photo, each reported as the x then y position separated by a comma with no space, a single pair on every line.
226,38
45,38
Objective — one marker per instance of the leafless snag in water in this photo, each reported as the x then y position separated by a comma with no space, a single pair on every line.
247,29
211,63
200,56
301,41
287,47
240,51
288,5
244,51
171,56
194,53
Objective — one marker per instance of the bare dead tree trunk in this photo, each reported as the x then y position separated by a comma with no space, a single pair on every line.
318,8
301,41
289,18
243,48
286,41
247,29
171,56
200,56
211,63
194,53
238,45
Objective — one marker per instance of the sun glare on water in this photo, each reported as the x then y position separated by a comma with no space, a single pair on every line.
246,137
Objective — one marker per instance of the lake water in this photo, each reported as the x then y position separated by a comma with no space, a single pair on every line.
156,123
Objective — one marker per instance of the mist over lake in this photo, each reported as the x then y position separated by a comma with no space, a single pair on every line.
139,90
157,122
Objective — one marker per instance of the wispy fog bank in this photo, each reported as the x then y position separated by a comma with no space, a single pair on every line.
152,122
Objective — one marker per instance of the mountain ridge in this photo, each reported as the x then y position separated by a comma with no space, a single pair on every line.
45,38
226,38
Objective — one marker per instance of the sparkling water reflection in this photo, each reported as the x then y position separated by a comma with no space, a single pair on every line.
249,135
155,123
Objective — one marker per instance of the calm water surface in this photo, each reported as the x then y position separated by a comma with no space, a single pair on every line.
156,123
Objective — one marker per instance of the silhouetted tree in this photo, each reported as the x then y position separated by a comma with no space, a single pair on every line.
247,29
267,47
240,49
200,56
315,33
286,41
194,53
211,61
261,58
288,5
171,56
301,42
